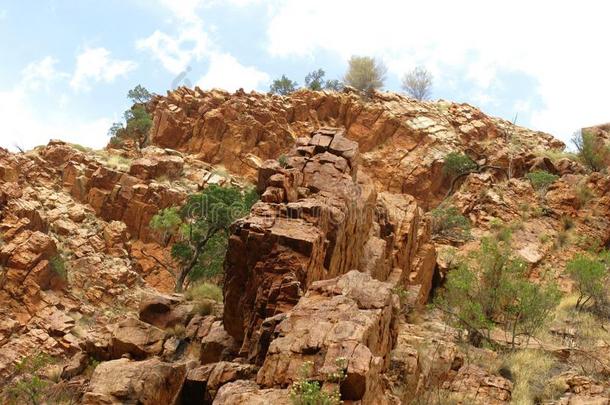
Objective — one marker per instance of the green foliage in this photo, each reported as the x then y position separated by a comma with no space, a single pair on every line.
541,180
283,161
458,163
283,86
418,83
365,73
58,265
137,120
27,387
590,275
492,289
139,95
334,85
315,81
447,221
592,152
305,391
204,291
201,227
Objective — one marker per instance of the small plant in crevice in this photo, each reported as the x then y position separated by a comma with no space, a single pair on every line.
541,180
306,391
447,221
58,266
283,161
457,164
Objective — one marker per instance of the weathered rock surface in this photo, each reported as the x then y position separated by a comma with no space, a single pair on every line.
123,381
136,338
344,323
403,141
313,228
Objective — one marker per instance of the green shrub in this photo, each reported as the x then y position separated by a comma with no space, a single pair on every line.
58,265
204,308
283,161
458,163
26,387
592,152
138,121
201,229
541,180
590,275
492,289
305,391
447,221
315,81
283,86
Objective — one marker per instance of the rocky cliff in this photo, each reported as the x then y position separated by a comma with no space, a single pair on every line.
332,269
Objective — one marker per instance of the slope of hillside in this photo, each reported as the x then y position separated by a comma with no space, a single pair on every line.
332,269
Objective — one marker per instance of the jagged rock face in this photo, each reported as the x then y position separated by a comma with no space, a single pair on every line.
351,318
403,140
319,218
312,224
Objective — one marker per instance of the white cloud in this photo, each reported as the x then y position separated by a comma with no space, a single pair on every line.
564,54
175,52
192,42
96,65
31,114
227,73
26,127
41,74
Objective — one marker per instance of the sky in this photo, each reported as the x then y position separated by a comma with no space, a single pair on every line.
67,65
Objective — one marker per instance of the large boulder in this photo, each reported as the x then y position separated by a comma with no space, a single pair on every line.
123,381
136,338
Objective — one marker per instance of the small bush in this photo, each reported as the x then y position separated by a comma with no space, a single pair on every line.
418,83
204,291
457,164
283,86
58,265
365,74
541,180
447,221
592,152
204,308
283,161
590,276
305,391
492,289
567,222
119,162
178,331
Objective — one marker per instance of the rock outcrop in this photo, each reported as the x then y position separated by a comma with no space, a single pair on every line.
403,141
315,221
